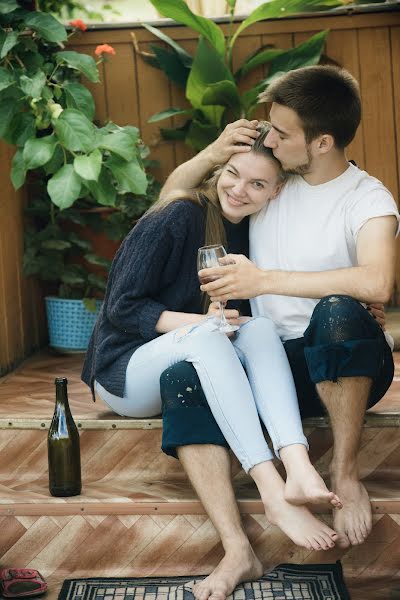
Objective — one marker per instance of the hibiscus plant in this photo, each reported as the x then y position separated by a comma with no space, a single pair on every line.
73,167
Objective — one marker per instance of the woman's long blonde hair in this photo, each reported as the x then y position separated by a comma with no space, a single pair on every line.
206,194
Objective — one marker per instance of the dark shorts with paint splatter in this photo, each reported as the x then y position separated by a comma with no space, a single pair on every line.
342,340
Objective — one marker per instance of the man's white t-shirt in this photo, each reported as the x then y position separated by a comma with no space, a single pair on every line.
312,228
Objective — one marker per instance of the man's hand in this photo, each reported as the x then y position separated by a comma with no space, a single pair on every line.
238,279
377,310
239,132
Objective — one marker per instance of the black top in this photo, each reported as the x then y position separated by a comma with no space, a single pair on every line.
154,270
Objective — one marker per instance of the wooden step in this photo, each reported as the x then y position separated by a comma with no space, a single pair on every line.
138,515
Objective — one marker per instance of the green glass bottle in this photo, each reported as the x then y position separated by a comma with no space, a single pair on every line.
63,447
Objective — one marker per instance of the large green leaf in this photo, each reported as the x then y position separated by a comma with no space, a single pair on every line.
18,170
78,96
88,167
7,41
208,68
184,56
201,135
7,6
6,78
33,86
64,187
170,63
103,190
83,63
169,112
303,55
75,131
7,110
46,26
283,8
119,143
224,93
175,133
129,175
260,57
22,127
180,12
38,151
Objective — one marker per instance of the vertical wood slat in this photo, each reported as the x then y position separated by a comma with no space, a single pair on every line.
130,92
378,109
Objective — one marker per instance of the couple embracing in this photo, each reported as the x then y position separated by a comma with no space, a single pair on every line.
320,237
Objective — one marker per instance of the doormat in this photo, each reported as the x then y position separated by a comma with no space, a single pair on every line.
285,582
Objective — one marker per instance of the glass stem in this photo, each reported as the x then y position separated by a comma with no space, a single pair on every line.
222,314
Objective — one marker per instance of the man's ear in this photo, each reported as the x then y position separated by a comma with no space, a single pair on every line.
324,143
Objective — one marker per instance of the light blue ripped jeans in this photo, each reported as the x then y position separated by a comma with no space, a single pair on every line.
244,378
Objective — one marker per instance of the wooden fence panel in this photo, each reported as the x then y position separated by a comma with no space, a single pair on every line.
131,91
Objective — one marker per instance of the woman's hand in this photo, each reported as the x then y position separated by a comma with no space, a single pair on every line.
377,310
231,314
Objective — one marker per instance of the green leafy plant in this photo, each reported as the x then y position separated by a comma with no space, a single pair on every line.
211,84
75,168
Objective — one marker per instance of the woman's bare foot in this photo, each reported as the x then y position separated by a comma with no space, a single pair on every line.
354,522
300,525
304,485
236,566
308,487
296,522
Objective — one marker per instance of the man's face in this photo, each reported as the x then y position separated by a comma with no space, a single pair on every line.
287,140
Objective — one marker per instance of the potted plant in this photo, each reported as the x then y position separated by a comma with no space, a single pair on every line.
73,168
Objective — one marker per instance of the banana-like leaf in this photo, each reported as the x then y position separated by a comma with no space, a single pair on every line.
222,93
283,8
185,57
180,12
175,134
260,57
170,63
208,68
201,135
305,54
170,112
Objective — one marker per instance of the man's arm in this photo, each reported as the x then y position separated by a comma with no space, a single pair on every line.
189,174
371,281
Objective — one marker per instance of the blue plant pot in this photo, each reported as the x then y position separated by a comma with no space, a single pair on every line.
70,324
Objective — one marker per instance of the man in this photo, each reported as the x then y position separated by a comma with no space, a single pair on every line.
325,246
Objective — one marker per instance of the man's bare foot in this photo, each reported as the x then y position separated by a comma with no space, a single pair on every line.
354,522
236,566
300,525
306,486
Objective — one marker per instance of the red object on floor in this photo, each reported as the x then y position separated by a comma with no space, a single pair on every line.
18,583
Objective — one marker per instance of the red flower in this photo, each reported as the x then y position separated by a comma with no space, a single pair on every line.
104,49
78,24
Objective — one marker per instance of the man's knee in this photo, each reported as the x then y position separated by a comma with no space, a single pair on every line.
339,318
180,386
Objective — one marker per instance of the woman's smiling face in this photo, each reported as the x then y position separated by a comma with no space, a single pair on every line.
247,181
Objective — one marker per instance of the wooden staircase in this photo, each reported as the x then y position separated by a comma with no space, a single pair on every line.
138,515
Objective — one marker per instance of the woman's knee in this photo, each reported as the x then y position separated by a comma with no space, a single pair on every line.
261,327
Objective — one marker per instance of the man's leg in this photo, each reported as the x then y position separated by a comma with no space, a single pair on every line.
351,365
187,419
209,470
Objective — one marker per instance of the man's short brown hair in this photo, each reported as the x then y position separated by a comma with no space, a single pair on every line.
325,98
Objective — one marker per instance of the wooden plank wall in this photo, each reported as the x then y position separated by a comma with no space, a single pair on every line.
131,91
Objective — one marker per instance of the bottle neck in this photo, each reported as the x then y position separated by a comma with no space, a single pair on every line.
62,397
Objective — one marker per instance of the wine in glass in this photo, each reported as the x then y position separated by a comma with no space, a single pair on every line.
209,256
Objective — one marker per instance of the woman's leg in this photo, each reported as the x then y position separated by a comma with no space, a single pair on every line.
270,377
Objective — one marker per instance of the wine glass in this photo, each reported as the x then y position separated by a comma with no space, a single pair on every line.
208,256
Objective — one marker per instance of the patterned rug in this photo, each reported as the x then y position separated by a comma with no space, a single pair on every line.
285,582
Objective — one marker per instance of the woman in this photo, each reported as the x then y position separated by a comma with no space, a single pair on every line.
152,318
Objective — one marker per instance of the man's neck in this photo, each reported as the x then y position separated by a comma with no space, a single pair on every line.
326,168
